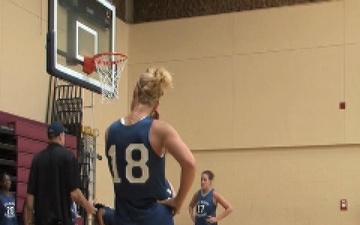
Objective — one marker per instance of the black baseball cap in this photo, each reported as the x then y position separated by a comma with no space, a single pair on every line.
56,128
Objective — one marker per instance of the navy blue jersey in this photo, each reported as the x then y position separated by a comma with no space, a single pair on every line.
169,191
138,174
7,210
108,217
204,208
73,211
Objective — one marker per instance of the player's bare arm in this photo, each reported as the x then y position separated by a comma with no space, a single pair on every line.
173,143
191,207
218,198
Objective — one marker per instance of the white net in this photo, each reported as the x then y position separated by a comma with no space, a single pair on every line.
109,67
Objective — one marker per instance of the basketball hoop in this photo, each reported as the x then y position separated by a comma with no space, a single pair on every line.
109,66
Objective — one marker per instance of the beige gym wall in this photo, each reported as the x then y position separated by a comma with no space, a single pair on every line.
256,98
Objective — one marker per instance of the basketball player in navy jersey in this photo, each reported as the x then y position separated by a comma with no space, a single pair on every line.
104,215
205,202
7,201
135,151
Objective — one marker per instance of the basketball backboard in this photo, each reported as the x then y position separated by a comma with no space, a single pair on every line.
78,28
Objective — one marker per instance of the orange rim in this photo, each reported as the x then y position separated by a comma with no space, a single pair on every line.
98,61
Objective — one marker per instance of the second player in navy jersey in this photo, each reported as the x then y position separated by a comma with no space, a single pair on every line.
205,203
135,151
104,215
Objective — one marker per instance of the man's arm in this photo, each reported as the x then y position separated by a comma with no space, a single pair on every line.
79,198
24,217
29,210
73,180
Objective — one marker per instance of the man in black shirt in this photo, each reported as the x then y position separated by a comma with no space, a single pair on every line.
54,182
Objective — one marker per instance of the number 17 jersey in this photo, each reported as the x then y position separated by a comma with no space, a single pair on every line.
138,174
205,208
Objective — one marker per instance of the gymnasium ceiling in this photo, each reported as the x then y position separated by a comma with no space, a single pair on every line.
140,11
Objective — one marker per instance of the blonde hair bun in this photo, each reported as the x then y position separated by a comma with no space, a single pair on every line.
153,83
